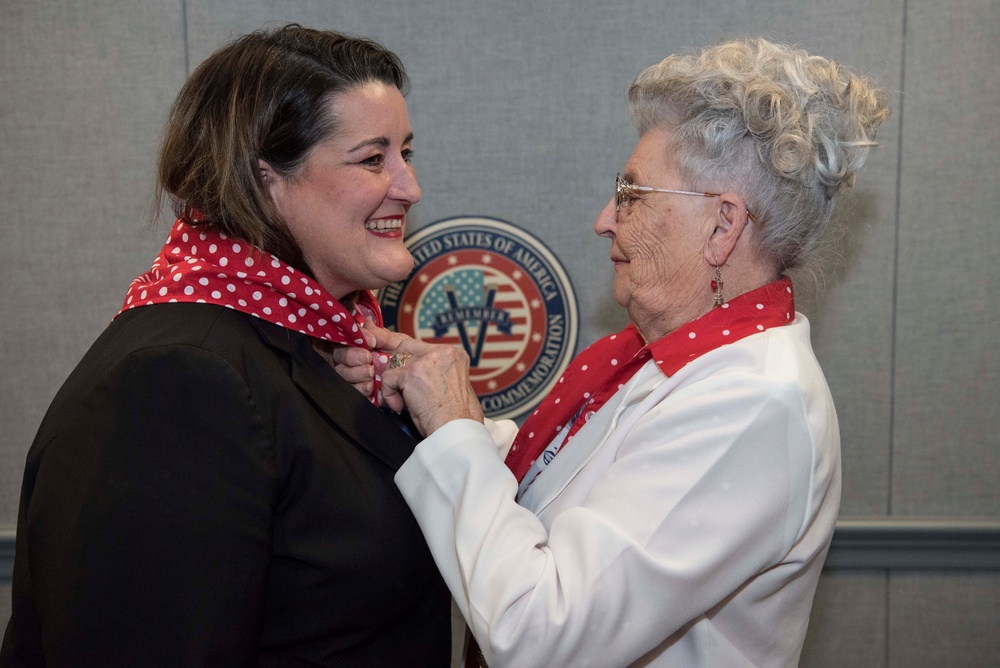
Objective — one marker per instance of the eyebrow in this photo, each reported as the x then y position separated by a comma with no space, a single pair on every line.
380,142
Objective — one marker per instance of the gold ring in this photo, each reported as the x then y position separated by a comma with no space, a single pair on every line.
397,360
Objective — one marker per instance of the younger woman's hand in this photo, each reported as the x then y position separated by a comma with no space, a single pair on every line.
355,365
361,367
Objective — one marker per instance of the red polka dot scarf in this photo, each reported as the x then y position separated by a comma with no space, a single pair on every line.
597,373
204,265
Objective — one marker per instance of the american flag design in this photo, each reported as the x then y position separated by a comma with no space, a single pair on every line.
497,297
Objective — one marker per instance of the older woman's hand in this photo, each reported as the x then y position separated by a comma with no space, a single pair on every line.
432,383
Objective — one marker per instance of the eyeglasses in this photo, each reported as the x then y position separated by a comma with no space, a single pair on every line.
622,188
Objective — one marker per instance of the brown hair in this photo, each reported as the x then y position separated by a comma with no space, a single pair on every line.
263,96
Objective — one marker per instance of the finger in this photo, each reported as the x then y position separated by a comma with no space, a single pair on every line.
370,341
355,374
366,389
385,339
417,348
394,402
351,356
391,393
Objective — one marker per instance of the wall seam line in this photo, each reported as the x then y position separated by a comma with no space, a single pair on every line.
893,327
895,271
184,29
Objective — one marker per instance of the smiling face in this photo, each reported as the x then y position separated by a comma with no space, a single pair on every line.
346,204
658,242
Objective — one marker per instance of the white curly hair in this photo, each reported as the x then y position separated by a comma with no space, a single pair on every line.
787,128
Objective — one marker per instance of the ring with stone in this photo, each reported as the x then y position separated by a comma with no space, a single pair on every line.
397,360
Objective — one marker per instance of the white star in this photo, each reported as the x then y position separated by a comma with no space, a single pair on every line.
492,385
408,308
535,303
424,278
521,366
453,260
516,275
486,259
536,337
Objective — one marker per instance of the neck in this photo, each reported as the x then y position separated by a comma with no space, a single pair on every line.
696,298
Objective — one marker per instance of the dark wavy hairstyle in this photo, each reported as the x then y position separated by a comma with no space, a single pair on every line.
263,96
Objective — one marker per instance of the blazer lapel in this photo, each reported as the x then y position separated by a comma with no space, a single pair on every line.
605,430
567,464
349,412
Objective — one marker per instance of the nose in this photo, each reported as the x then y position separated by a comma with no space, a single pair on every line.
607,220
404,186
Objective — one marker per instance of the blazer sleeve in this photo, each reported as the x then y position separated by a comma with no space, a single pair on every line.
691,507
147,517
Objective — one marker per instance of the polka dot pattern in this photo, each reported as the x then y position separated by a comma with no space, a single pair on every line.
193,266
601,370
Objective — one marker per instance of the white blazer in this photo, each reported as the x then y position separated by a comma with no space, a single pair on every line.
686,523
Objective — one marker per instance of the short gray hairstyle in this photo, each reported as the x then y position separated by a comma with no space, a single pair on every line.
788,128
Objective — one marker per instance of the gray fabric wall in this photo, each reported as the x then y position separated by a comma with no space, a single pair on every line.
518,110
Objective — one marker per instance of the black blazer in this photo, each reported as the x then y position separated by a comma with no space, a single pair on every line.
205,490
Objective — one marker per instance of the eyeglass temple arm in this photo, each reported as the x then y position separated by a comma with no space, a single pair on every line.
631,186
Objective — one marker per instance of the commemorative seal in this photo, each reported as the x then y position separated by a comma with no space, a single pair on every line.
497,291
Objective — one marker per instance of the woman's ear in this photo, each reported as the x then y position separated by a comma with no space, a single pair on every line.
272,181
730,224
267,174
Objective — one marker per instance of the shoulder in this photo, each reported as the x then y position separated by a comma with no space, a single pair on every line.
779,361
767,389
168,354
231,335
173,349
181,324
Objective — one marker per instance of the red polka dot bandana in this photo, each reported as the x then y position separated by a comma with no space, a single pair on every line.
204,265
597,373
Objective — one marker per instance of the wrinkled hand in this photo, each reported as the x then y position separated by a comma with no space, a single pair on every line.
433,384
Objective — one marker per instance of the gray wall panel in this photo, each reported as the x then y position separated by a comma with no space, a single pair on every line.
86,86
848,622
5,604
519,113
947,428
938,619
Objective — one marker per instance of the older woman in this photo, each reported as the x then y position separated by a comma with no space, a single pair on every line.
204,489
672,500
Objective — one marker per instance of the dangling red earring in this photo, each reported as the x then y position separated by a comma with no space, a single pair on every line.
717,288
